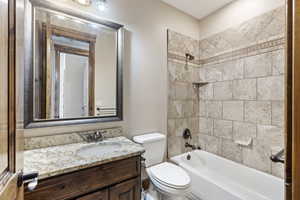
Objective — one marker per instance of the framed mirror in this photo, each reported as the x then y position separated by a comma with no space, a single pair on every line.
74,67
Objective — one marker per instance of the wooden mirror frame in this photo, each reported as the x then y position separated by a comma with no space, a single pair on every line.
29,118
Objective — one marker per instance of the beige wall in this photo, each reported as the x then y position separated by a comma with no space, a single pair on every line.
145,69
234,14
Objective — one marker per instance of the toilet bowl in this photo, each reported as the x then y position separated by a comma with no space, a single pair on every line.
168,179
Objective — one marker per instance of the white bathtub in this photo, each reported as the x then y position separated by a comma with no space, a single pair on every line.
216,178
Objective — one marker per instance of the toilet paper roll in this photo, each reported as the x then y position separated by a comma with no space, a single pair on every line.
149,197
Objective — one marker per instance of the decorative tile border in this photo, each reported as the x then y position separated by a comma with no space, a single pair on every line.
255,49
247,51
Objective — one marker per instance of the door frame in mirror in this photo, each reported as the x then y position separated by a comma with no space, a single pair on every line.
29,119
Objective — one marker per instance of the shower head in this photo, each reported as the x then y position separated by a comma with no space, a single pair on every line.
188,57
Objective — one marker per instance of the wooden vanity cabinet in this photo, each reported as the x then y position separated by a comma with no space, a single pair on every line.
118,180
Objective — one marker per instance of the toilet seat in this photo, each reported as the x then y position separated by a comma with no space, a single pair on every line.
168,191
169,176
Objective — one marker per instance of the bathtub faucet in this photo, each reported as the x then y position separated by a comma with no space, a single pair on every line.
194,147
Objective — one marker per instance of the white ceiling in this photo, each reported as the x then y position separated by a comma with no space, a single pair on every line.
198,8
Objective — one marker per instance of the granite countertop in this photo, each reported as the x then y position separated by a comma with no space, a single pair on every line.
57,160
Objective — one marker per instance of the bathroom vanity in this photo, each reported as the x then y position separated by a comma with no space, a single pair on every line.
115,181
106,170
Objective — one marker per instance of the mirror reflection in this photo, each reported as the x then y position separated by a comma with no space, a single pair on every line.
75,67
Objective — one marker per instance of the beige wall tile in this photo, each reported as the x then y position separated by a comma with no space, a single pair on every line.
171,127
278,62
188,108
231,151
194,125
258,112
214,109
243,131
212,143
258,157
233,70
244,89
181,90
206,126
223,90
213,73
202,108
178,72
258,66
206,92
201,74
271,136
233,110
192,92
172,91
278,113
270,88
181,125
181,44
175,146
175,109
223,129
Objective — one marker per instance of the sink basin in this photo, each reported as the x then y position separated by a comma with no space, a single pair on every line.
95,150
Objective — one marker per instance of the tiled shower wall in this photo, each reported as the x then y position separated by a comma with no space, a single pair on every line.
183,104
243,100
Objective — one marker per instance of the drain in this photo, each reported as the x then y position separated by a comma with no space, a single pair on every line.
188,157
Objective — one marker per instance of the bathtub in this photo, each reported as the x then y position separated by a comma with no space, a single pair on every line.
216,178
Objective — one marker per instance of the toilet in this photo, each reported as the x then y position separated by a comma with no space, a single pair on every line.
169,180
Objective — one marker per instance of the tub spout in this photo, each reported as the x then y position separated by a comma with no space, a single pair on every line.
194,147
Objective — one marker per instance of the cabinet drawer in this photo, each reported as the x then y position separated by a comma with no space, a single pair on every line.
101,195
85,181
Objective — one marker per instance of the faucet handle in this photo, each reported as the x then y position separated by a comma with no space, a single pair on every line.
187,134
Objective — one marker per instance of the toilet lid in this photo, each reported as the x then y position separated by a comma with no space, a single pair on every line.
170,175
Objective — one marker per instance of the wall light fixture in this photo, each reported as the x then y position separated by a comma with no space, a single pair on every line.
83,2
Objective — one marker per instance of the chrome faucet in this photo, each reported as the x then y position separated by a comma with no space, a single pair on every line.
194,147
98,136
187,135
93,137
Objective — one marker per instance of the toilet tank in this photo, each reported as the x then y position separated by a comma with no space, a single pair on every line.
155,145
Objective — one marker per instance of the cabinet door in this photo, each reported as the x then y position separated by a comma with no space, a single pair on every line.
101,195
129,190
11,85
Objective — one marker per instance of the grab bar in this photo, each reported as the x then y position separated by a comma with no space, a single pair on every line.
278,158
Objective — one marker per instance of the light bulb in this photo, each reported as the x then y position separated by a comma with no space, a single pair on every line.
101,5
